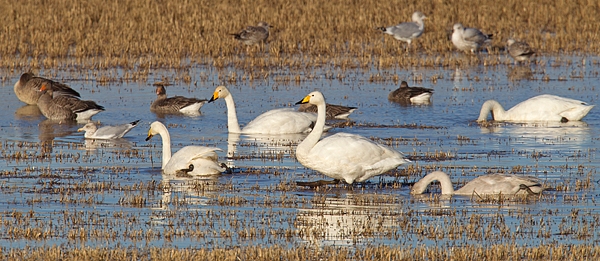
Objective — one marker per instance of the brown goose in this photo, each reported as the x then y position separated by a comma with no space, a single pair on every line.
332,111
253,34
65,107
405,94
176,104
28,87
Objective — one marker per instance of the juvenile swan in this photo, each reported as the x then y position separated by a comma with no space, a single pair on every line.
278,121
483,185
189,160
343,156
106,132
539,108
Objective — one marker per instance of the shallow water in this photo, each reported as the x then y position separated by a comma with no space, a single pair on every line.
59,189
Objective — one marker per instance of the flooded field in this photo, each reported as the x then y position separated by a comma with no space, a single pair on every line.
58,189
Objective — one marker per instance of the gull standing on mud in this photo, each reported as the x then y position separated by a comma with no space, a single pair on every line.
520,51
407,31
468,39
253,34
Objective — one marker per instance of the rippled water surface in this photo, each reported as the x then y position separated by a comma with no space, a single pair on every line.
59,189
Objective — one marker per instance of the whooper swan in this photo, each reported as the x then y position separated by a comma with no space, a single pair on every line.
189,160
483,185
539,108
278,121
343,156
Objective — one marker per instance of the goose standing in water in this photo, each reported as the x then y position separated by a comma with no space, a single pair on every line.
27,88
107,132
187,161
468,39
253,34
483,185
175,104
277,121
56,106
542,108
333,111
407,31
343,156
520,51
415,95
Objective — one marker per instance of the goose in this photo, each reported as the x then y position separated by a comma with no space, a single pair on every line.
469,39
520,51
405,94
277,121
106,132
253,34
333,111
176,104
187,161
483,185
65,107
28,86
407,31
343,156
539,108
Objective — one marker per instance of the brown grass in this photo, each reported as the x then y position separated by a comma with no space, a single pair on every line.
147,34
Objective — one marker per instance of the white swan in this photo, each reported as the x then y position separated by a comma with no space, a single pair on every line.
483,185
344,156
278,121
539,108
189,160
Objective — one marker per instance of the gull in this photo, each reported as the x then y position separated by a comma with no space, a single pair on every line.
520,51
107,132
407,31
468,39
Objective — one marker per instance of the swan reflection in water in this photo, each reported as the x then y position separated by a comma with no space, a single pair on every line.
346,221
184,194
572,132
254,145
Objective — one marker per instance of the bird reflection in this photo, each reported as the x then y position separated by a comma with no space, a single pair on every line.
520,73
575,132
94,144
28,112
344,221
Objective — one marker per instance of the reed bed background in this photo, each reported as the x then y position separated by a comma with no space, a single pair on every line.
176,34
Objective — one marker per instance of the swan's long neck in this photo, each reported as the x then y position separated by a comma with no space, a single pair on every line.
166,144
442,177
311,140
232,120
498,112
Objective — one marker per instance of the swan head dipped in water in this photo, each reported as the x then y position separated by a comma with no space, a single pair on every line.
542,108
482,185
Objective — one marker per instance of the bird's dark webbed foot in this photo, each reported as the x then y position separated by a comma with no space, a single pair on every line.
228,170
564,120
318,183
183,173
527,189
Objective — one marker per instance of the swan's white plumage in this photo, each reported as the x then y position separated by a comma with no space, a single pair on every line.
344,156
278,121
483,185
203,159
539,108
